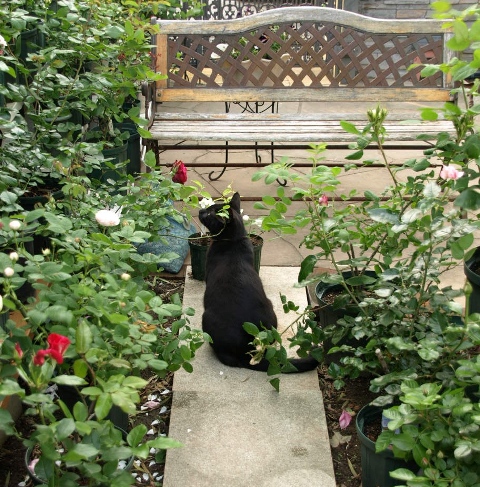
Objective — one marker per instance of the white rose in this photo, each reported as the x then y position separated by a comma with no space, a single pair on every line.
15,225
109,218
8,272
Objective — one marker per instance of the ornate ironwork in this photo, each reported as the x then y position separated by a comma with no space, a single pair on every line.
232,9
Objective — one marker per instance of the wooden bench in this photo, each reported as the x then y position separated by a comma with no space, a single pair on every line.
310,55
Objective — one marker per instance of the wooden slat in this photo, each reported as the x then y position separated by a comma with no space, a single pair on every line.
300,14
276,128
323,94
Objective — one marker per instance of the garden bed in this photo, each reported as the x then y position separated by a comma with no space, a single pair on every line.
346,456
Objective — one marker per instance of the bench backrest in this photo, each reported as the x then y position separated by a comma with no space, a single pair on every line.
300,54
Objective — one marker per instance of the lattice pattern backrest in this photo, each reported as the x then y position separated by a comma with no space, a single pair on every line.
304,54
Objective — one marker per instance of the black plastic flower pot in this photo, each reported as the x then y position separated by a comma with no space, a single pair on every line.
376,467
471,268
327,315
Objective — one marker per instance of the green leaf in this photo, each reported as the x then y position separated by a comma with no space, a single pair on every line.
403,474
251,329
306,267
7,422
349,127
136,435
429,114
80,451
463,451
403,442
65,427
460,40
83,337
269,200
103,405
69,380
469,199
164,443
275,383
384,441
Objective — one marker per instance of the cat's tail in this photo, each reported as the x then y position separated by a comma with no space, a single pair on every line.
302,364
298,365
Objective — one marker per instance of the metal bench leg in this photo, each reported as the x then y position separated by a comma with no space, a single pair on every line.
216,178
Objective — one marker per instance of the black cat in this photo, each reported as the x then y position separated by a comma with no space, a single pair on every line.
234,293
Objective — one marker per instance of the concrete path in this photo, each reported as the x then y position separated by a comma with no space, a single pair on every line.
236,429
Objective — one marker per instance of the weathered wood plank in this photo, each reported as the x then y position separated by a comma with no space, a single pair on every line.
277,128
323,94
300,14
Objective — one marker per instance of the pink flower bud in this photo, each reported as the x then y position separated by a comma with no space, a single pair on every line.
345,419
323,200
449,172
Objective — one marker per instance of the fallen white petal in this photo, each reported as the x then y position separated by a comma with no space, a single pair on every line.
145,476
154,422
151,432
163,410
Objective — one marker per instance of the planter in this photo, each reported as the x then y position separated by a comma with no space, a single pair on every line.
28,42
376,467
70,396
134,149
198,253
29,203
117,155
327,315
38,479
471,268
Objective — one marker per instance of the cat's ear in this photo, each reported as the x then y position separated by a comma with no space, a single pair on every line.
235,202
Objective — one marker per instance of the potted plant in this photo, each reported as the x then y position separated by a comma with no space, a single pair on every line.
199,242
407,236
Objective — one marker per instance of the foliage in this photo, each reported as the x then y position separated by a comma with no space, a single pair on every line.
409,235
77,248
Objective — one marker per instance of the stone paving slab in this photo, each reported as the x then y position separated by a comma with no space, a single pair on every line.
236,429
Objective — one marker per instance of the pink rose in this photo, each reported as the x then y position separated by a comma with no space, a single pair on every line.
449,172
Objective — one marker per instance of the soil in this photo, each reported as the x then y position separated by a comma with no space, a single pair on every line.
149,473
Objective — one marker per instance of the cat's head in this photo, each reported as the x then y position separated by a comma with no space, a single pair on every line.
224,219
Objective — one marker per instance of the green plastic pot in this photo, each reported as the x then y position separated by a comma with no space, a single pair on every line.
198,255
474,279
376,467
134,149
117,155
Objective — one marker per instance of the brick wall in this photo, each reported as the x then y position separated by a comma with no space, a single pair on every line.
399,9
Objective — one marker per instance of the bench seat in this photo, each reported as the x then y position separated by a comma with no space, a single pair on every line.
279,127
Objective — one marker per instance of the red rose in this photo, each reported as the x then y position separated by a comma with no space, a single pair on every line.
179,172
58,347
